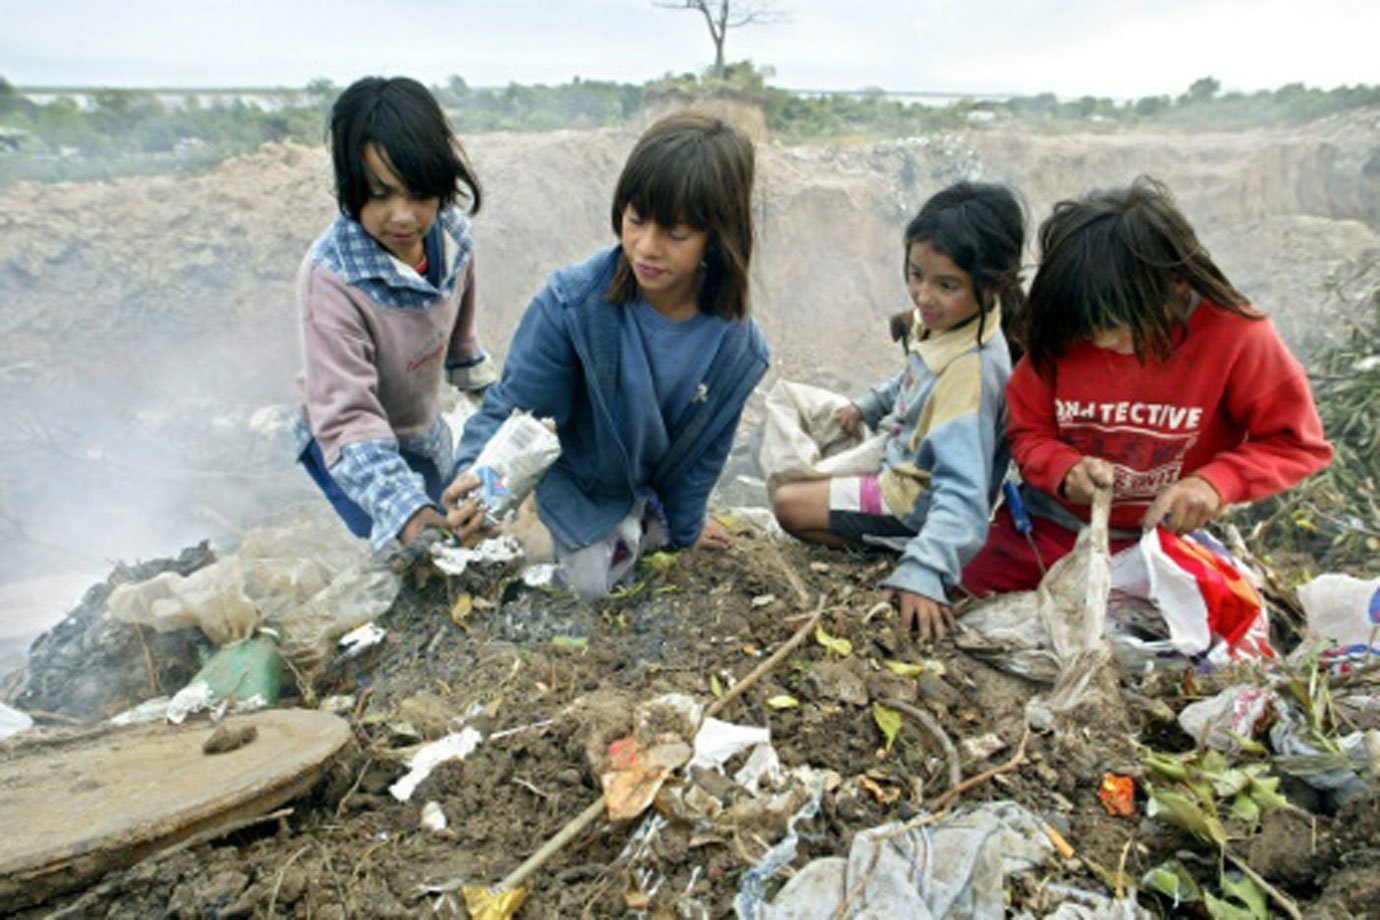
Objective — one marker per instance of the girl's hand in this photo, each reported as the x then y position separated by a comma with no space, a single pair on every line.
425,517
1087,476
932,619
464,515
713,536
1186,505
849,417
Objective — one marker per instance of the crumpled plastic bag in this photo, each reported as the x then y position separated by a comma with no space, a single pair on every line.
1169,600
1204,604
1343,611
953,867
1056,633
801,438
1223,720
310,583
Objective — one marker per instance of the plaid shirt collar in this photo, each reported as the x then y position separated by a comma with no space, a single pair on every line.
361,261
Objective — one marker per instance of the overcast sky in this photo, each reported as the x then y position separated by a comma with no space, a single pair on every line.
1120,48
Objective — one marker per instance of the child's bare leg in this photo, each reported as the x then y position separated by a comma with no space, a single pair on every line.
802,509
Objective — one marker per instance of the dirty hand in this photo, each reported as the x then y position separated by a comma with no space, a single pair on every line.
1087,476
425,517
464,512
1186,505
932,619
423,530
848,417
713,536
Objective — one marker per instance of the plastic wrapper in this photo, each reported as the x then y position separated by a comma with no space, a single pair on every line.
513,462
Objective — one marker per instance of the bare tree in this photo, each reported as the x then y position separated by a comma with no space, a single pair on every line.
722,15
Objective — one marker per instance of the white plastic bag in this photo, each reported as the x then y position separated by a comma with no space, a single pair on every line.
802,439
1342,610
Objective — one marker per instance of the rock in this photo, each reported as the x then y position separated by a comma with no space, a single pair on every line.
838,680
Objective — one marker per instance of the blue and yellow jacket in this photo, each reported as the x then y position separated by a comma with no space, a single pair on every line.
946,453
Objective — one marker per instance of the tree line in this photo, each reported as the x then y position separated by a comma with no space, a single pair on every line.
124,131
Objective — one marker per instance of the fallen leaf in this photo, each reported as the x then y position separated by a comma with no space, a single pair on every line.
461,609
782,701
883,796
486,904
904,668
715,687
889,721
579,643
629,792
838,646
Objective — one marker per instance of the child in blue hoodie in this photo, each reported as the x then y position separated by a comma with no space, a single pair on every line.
644,356
944,413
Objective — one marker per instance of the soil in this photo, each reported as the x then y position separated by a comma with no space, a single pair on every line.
563,677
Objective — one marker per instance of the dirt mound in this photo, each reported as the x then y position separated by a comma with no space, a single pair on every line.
549,681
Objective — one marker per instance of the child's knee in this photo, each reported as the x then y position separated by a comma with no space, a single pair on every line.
792,507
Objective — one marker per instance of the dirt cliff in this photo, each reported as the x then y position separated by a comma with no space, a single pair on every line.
137,314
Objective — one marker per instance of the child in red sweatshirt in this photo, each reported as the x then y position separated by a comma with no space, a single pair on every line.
1145,371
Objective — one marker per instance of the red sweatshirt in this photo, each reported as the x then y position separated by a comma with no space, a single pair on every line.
1230,405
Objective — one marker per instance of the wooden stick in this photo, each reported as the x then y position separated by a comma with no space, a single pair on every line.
932,725
1285,902
1011,765
776,657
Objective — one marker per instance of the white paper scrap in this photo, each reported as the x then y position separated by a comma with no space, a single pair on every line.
429,756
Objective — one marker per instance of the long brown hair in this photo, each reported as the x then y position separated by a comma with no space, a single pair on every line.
693,169
1112,260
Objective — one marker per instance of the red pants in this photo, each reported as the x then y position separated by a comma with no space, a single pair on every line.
1007,563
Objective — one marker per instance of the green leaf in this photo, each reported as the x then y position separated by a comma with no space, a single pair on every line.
1250,895
1182,811
715,687
1165,766
1245,808
782,701
889,721
1219,909
1229,782
659,563
1265,793
578,643
838,646
1173,881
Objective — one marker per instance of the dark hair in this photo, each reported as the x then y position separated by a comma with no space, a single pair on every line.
1112,259
403,121
979,227
697,170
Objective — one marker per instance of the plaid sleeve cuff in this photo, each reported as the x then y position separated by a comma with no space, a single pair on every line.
375,477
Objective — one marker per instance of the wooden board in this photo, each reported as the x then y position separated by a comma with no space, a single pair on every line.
74,808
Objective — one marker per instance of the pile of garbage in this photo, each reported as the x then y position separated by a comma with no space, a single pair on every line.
738,733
